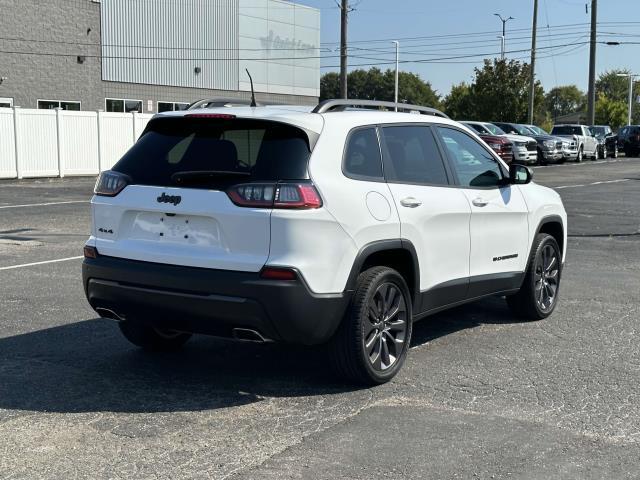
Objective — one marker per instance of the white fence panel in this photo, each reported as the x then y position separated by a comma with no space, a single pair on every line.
37,138
79,143
51,143
7,145
116,137
140,123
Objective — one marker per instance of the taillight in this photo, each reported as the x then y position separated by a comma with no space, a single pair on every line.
275,195
110,183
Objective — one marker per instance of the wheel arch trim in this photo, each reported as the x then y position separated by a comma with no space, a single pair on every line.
556,219
381,246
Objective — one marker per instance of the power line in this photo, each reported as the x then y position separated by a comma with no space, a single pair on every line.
484,54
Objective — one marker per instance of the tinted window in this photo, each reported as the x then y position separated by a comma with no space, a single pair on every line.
413,155
493,129
476,127
227,151
474,165
362,156
508,128
566,130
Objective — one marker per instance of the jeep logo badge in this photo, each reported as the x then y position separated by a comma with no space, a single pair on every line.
164,198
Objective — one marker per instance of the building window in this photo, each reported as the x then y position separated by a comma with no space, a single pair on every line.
64,105
6,102
123,105
171,106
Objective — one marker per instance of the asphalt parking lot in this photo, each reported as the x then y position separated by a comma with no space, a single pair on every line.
481,395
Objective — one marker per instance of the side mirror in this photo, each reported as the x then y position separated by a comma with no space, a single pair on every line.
519,174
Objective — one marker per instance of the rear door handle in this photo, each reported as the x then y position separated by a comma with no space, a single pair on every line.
410,202
479,202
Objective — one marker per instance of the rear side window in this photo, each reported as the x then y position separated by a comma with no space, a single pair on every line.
413,156
362,158
216,153
473,163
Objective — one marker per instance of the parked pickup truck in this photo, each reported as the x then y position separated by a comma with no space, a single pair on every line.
585,140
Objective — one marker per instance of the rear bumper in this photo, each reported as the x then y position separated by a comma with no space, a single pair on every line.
212,302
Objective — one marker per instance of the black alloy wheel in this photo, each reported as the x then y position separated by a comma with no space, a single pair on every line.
547,276
386,329
372,341
538,295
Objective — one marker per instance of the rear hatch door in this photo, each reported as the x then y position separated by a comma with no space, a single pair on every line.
175,209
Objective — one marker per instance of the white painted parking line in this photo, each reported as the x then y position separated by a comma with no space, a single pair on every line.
42,204
11,267
583,164
594,183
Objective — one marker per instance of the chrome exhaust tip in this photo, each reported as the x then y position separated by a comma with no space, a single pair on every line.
108,313
248,335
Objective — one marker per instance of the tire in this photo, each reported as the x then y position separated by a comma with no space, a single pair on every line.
605,153
580,154
540,158
357,349
531,302
151,339
614,154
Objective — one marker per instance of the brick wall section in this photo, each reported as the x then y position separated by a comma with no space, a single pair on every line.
61,27
42,22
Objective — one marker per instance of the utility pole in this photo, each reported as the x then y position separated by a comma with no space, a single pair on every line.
532,79
591,96
503,38
344,12
395,96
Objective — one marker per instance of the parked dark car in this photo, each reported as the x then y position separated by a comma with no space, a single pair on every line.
607,141
629,140
549,148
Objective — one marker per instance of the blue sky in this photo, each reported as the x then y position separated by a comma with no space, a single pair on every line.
472,29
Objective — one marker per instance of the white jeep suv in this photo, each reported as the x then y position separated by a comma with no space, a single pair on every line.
337,225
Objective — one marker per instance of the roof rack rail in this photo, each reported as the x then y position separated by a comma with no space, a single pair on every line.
339,105
215,102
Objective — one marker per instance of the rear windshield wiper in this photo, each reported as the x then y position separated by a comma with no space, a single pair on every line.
189,176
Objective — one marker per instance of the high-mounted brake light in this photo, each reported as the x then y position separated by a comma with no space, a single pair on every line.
275,195
225,116
110,183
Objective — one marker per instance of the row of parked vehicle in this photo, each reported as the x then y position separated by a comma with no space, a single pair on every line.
530,144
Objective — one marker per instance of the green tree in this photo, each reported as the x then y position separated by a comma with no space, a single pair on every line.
612,86
611,112
459,103
616,88
563,100
374,84
500,92
329,85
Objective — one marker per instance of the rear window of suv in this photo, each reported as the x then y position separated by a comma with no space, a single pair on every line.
216,153
566,130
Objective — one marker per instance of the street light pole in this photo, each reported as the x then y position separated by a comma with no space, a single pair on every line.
631,77
395,97
503,42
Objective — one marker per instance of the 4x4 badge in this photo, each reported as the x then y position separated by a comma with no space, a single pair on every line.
164,198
